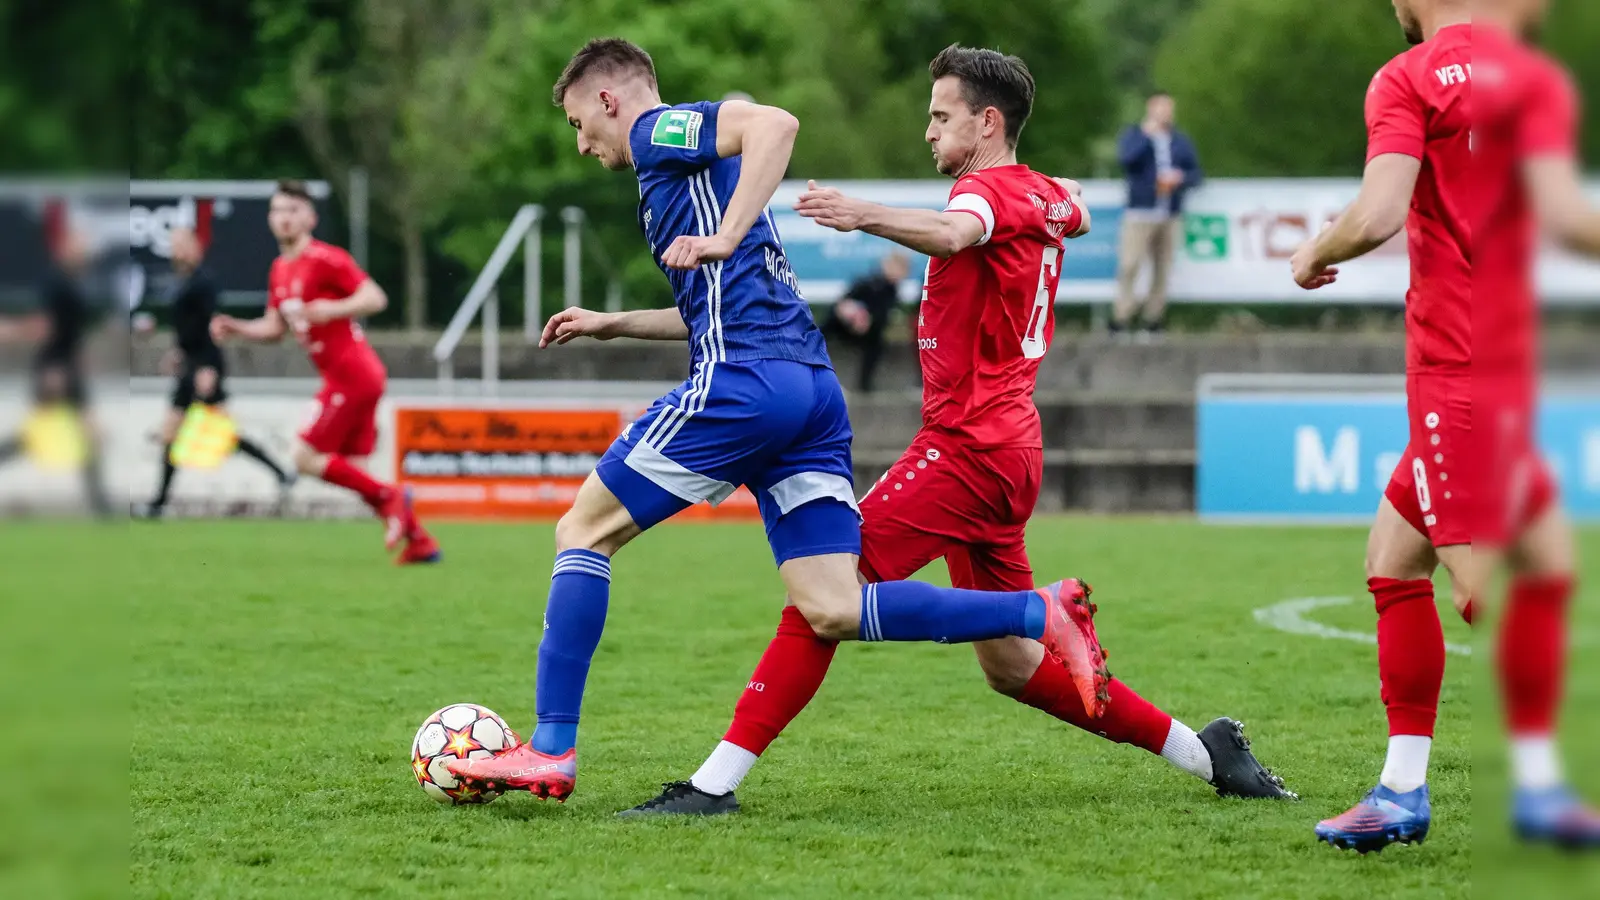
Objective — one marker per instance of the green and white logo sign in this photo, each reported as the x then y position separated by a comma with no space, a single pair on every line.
678,128
1205,237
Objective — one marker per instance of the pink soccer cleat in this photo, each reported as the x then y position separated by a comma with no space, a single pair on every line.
1069,637
399,520
421,548
521,768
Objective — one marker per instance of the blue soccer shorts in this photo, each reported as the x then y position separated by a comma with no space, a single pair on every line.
778,427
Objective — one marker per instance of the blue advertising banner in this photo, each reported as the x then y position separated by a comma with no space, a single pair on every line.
1321,457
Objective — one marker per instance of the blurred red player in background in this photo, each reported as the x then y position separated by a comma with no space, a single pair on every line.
1473,176
317,290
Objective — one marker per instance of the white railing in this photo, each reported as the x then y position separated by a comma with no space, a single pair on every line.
526,228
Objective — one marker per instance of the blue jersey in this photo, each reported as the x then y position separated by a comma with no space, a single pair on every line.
747,307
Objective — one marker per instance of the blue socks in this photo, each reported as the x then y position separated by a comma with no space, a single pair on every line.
574,617
917,611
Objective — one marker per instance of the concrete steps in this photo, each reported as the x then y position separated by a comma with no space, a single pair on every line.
1118,418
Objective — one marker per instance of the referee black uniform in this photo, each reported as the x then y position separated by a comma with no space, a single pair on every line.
193,306
58,365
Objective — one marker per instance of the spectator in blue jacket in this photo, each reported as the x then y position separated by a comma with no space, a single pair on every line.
1161,166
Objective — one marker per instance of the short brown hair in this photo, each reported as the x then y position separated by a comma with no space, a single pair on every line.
989,78
609,55
294,187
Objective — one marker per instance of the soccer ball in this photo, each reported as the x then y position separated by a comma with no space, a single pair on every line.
459,731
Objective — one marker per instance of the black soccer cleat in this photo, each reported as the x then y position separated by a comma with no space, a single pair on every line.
680,798
1235,771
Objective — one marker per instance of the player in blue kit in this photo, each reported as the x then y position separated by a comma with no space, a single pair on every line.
762,408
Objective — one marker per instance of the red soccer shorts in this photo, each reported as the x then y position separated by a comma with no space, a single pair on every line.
344,420
970,507
1433,487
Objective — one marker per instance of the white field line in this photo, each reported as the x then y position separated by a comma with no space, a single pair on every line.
1290,616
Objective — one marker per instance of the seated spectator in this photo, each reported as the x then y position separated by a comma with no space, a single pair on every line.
862,315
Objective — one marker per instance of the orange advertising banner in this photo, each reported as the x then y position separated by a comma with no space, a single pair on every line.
493,463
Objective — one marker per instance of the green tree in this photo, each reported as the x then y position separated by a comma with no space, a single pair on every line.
1573,32
1269,88
62,87
859,87
1132,33
211,89
393,96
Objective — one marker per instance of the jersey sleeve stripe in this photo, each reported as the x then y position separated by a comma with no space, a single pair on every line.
978,206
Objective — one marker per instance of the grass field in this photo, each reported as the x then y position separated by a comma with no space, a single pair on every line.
279,670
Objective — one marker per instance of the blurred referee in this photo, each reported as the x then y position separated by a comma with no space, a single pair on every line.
197,363
58,367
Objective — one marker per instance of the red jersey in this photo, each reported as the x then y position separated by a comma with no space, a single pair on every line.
1419,106
324,272
1524,106
988,312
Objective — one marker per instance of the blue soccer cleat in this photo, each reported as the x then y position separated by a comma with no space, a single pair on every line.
1383,817
1555,816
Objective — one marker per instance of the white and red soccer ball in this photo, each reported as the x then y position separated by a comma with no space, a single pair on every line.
459,731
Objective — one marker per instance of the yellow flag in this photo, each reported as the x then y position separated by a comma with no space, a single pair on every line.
53,438
206,438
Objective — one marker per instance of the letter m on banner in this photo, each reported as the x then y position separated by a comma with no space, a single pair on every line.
1319,470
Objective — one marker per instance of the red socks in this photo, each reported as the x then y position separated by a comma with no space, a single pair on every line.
1129,718
796,661
1532,653
1410,653
784,682
340,472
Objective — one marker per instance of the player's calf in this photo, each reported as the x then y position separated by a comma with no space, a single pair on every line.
1009,664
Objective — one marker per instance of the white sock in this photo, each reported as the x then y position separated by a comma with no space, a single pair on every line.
1184,750
1406,767
1534,763
724,769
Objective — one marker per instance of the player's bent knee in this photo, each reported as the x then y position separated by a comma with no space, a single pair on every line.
830,622
308,461
1547,547
827,592
1395,549
597,521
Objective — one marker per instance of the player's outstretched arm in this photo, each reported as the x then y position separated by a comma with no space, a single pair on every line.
1075,191
763,138
644,324
1558,199
1378,214
928,231
268,329
368,300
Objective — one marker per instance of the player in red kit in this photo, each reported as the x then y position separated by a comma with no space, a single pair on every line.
317,291
1423,174
1525,127
967,485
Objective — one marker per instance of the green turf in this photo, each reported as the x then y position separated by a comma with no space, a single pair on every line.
279,673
